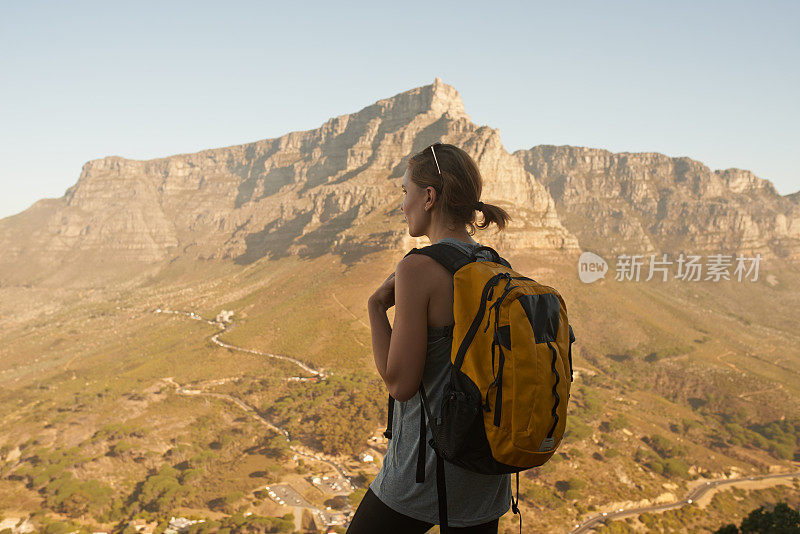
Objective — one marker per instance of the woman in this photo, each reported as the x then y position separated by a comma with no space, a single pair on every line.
442,187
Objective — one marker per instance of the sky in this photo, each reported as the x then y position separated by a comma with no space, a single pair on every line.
717,82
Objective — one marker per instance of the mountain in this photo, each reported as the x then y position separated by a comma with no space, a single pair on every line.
336,189
652,202
182,335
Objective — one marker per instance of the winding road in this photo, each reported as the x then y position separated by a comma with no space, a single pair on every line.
199,389
693,496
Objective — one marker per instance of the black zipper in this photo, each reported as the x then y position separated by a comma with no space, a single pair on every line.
498,380
473,328
490,284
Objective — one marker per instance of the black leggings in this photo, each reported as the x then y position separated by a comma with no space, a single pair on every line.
372,516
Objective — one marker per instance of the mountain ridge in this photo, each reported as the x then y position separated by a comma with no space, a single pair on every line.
335,189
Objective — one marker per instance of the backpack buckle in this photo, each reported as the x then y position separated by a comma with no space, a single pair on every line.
547,445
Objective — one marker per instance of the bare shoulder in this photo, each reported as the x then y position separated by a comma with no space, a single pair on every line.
415,267
431,278
420,266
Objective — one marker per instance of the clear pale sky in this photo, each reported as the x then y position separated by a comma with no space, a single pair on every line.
715,81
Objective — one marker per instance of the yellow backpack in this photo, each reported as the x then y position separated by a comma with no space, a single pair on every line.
504,409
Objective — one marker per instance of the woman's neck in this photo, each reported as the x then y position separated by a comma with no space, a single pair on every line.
435,237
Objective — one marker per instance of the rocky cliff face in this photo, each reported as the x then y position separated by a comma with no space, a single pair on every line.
336,189
652,203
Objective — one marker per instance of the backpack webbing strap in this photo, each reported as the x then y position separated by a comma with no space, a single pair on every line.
424,408
388,432
453,258
421,446
498,402
515,505
441,490
448,256
441,486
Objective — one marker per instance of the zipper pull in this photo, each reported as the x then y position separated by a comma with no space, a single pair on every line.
491,289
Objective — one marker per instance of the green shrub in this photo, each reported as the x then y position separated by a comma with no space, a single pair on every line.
674,467
543,496
162,491
618,422
689,425
355,498
615,527
575,483
577,431
591,403
782,437
75,497
782,518
121,448
660,444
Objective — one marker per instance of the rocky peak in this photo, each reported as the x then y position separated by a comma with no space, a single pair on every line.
744,181
335,189
444,99
435,100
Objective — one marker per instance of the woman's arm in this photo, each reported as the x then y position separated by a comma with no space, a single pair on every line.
381,334
400,351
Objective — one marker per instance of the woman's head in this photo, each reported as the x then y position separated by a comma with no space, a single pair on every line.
445,199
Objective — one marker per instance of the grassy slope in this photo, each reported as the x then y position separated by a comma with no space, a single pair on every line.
103,359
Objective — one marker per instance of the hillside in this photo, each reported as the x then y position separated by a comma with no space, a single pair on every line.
113,407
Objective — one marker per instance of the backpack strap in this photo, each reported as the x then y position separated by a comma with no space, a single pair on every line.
441,486
448,256
515,505
421,446
441,490
453,258
388,432
424,407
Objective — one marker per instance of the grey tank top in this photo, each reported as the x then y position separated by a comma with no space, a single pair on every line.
472,498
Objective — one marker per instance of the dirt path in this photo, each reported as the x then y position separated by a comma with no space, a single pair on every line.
357,318
765,390
726,353
199,389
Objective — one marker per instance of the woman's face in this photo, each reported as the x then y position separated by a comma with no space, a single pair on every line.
414,201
